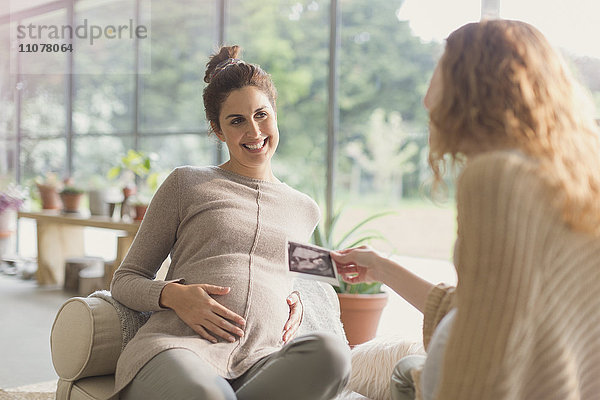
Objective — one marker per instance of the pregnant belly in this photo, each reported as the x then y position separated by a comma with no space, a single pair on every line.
261,299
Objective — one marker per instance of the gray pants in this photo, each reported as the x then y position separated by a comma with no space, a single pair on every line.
311,367
402,386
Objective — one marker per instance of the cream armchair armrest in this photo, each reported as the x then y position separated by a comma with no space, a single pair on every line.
86,338
321,308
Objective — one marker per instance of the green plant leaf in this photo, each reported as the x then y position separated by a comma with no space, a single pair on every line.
332,224
152,181
365,239
323,236
114,172
318,237
361,224
365,288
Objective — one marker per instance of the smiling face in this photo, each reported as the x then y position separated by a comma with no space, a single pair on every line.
249,128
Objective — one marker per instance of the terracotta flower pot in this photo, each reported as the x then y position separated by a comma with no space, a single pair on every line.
49,197
71,201
360,314
129,191
140,211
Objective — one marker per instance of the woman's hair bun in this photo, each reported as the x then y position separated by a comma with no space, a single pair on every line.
225,52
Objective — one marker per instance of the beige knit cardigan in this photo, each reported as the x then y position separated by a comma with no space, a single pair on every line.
223,229
528,294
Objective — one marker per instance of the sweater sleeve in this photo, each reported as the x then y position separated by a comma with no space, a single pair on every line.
133,283
439,302
500,203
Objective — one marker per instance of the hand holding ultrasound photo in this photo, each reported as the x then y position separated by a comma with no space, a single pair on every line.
311,262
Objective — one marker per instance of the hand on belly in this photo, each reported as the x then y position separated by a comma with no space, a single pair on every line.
194,304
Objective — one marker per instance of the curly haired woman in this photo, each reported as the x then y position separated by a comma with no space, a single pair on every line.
524,319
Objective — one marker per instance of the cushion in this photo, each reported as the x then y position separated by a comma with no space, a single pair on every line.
373,363
321,308
100,387
131,320
85,339
93,388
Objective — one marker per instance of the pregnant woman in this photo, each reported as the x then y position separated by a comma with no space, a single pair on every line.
217,321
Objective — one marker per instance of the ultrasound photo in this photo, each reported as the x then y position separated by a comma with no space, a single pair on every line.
311,262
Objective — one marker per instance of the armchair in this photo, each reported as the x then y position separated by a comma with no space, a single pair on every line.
89,334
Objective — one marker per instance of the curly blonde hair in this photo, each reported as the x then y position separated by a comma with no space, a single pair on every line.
504,86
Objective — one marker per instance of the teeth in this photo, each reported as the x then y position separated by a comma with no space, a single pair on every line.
255,146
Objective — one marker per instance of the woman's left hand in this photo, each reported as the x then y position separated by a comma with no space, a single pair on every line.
296,312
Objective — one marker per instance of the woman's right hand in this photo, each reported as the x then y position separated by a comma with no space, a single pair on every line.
194,305
359,264
364,264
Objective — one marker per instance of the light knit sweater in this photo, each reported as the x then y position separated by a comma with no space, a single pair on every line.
528,296
223,229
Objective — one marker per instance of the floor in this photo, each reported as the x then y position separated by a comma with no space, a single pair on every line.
26,319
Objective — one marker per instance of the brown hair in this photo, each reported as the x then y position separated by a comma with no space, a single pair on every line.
222,81
504,86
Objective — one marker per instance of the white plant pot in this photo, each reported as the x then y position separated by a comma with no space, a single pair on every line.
8,226
8,222
98,203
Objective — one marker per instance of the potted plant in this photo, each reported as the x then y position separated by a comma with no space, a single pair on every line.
140,203
71,198
136,165
361,304
48,187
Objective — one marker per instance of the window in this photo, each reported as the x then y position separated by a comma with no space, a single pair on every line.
290,40
91,165
171,95
16,6
7,110
39,157
103,78
388,53
148,94
42,100
570,26
43,95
